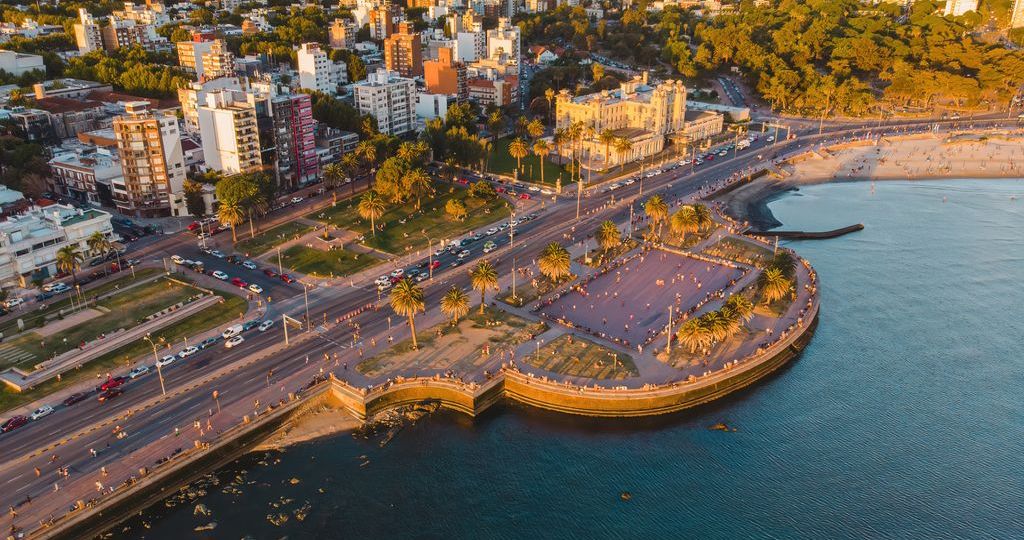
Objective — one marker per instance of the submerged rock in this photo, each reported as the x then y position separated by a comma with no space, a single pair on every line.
201,510
208,527
293,481
277,519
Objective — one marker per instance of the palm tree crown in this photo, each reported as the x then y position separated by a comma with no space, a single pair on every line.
483,276
554,261
407,300
455,304
608,235
656,210
230,212
371,206
69,259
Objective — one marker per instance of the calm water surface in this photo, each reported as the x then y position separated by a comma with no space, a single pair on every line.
903,418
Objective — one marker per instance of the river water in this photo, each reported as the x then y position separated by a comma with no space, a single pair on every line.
902,419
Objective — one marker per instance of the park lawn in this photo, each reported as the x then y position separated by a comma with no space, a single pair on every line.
140,351
577,357
743,251
397,237
461,348
322,263
500,162
34,319
270,238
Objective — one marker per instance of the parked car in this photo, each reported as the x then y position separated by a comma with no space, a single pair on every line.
138,371
75,398
166,360
255,288
13,302
13,423
237,340
296,200
110,394
249,264
287,279
237,282
207,342
188,351
219,275
270,273
45,410
112,382
249,325
177,259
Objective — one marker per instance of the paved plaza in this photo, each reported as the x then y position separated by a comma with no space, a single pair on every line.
630,303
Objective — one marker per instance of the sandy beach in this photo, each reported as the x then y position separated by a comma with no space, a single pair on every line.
916,157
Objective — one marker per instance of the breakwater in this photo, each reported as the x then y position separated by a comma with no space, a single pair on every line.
806,235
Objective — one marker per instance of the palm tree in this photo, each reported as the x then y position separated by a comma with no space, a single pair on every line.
333,174
368,151
231,212
741,306
541,149
575,133
518,149
521,124
535,128
623,147
693,335
682,222
657,212
407,300
554,262
774,285
558,139
785,263
703,218
495,121
418,183
371,206
549,95
455,304
607,137
608,236
98,243
350,164
716,324
483,276
69,260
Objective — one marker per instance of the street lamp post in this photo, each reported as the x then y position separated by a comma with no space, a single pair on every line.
305,297
156,361
430,255
280,269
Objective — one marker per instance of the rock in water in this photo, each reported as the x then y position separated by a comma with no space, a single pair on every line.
294,481
201,510
719,427
625,495
208,527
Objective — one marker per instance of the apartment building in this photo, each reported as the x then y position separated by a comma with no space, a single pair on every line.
217,62
505,39
446,75
390,99
84,173
342,34
318,72
190,53
193,95
403,51
227,124
29,242
88,34
152,163
295,139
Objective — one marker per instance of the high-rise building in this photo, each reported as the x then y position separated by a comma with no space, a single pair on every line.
194,95
227,124
342,34
151,14
317,71
152,162
446,75
1017,15
217,62
390,99
295,139
403,51
504,39
383,19
88,35
957,8
190,53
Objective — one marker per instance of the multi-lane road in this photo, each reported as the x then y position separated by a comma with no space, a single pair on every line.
247,372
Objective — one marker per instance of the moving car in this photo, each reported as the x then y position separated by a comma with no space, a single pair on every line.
219,275
45,410
270,273
296,200
255,288
233,341
14,423
75,398
287,279
249,325
110,394
188,351
177,259
138,371
249,264
237,282
489,247
207,342
165,360
217,253
265,325
112,382
232,331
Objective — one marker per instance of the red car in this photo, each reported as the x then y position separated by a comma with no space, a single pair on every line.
435,265
193,226
524,195
463,181
287,279
14,423
110,394
270,273
239,283
112,383
499,189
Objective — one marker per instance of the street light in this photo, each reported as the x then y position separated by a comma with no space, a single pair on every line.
305,296
430,254
156,361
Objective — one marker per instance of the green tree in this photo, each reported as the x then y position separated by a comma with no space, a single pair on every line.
406,300
682,222
657,212
553,262
483,277
608,236
518,149
455,304
774,285
98,243
419,184
69,260
623,147
371,206
541,149
231,213
693,335
456,209
194,198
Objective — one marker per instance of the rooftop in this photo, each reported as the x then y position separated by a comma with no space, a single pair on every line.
59,105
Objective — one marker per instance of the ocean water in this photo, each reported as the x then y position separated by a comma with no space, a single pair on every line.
902,419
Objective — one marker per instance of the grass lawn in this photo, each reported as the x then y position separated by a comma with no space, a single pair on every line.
571,355
460,348
318,262
35,318
735,249
266,240
140,351
500,162
397,237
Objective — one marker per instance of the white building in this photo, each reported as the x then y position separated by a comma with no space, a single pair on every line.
227,124
318,72
388,98
88,35
29,242
84,173
957,8
430,106
18,64
504,39
193,95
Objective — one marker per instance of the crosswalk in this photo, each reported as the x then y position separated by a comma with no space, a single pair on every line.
11,355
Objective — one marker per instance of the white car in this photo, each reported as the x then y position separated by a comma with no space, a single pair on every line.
138,371
14,302
237,340
45,410
220,275
296,200
463,254
629,182
421,277
250,265
384,286
492,230
265,325
771,138
489,247
382,280
255,288
398,272
188,351
217,253
177,259
165,360
534,188
547,192
232,331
